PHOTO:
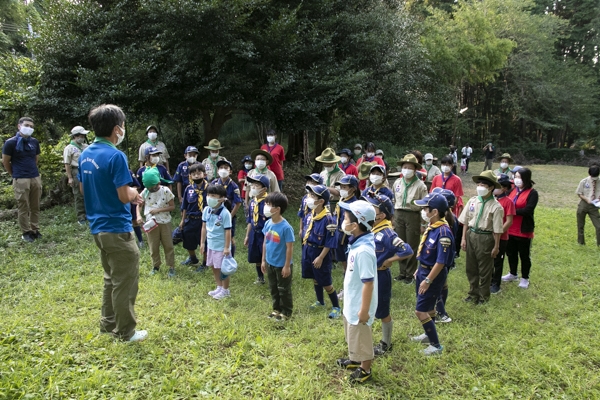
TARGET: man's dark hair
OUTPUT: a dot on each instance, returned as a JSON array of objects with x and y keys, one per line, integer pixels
[
  {"x": 277, "y": 199},
  {"x": 217, "y": 189},
  {"x": 196, "y": 167},
  {"x": 594, "y": 170},
  {"x": 104, "y": 118},
  {"x": 525, "y": 174},
  {"x": 363, "y": 228},
  {"x": 25, "y": 119},
  {"x": 447, "y": 160},
  {"x": 271, "y": 132}
]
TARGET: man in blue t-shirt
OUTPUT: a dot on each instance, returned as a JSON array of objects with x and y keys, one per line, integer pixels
[
  {"x": 20, "y": 156},
  {"x": 104, "y": 181}
]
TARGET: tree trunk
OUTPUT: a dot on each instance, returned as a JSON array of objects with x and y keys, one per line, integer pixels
[{"x": 214, "y": 121}]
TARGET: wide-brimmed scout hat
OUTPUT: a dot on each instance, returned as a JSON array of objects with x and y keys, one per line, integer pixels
[
  {"x": 260, "y": 152},
  {"x": 411, "y": 159},
  {"x": 328, "y": 156},
  {"x": 78, "y": 130},
  {"x": 488, "y": 176},
  {"x": 214, "y": 144},
  {"x": 262, "y": 179},
  {"x": 364, "y": 170},
  {"x": 507, "y": 156}
]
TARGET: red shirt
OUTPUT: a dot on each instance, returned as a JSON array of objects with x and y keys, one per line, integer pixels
[
  {"x": 519, "y": 202},
  {"x": 453, "y": 183},
  {"x": 350, "y": 169},
  {"x": 278, "y": 155},
  {"x": 242, "y": 181},
  {"x": 509, "y": 209},
  {"x": 362, "y": 185}
]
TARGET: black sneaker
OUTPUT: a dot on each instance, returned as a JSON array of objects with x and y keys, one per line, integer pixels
[
  {"x": 495, "y": 289},
  {"x": 36, "y": 235},
  {"x": 470, "y": 299},
  {"x": 381, "y": 348},
  {"x": 346, "y": 363},
  {"x": 399, "y": 278},
  {"x": 29, "y": 237},
  {"x": 201, "y": 268},
  {"x": 408, "y": 281},
  {"x": 359, "y": 376}
]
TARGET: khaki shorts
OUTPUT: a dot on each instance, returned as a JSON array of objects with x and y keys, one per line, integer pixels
[{"x": 360, "y": 341}]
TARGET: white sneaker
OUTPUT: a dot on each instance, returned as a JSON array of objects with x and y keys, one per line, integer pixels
[
  {"x": 510, "y": 278},
  {"x": 341, "y": 295},
  {"x": 524, "y": 284},
  {"x": 213, "y": 293},
  {"x": 432, "y": 350},
  {"x": 422, "y": 338},
  {"x": 222, "y": 294},
  {"x": 138, "y": 336}
]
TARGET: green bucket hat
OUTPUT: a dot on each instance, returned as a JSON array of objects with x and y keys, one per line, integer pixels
[
  {"x": 214, "y": 145},
  {"x": 507, "y": 156},
  {"x": 488, "y": 176},
  {"x": 410, "y": 159},
  {"x": 328, "y": 156}
]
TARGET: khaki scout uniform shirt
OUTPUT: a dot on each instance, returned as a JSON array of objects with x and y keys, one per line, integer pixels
[
  {"x": 273, "y": 184},
  {"x": 210, "y": 167},
  {"x": 491, "y": 217},
  {"x": 431, "y": 172},
  {"x": 586, "y": 188},
  {"x": 416, "y": 191},
  {"x": 332, "y": 179},
  {"x": 71, "y": 155}
]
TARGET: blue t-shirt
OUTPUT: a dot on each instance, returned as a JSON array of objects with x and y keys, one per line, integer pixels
[
  {"x": 23, "y": 152},
  {"x": 438, "y": 247},
  {"x": 216, "y": 222},
  {"x": 277, "y": 236},
  {"x": 362, "y": 268},
  {"x": 102, "y": 170}
]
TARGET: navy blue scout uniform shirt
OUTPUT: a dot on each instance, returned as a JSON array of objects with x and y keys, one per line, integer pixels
[
  {"x": 22, "y": 152},
  {"x": 319, "y": 236},
  {"x": 382, "y": 190},
  {"x": 233, "y": 191},
  {"x": 182, "y": 175},
  {"x": 438, "y": 247},
  {"x": 304, "y": 213},
  {"x": 388, "y": 244},
  {"x": 161, "y": 170},
  {"x": 342, "y": 238},
  {"x": 194, "y": 199},
  {"x": 256, "y": 216}
]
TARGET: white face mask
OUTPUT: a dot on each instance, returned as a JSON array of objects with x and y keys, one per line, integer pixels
[
  {"x": 120, "y": 137},
  {"x": 357, "y": 152},
  {"x": 248, "y": 165},
  {"x": 191, "y": 160},
  {"x": 482, "y": 191},
  {"x": 260, "y": 164},
  {"x": 154, "y": 160},
  {"x": 375, "y": 179},
  {"x": 212, "y": 202},
  {"x": 152, "y": 136},
  {"x": 424, "y": 216},
  {"x": 80, "y": 140},
  {"x": 498, "y": 192},
  {"x": 254, "y": 192},
  {"x": 26, "y": 131},
  {"x": 408, "y": 173},
  {"x": 446, "y": 169},
  {"x": 344, "y": 193},
  {"x": 214, "y": 155},
  {"x": 310, "y": 203},
  {"x": 328, "y": 169},
  {"x": 519, "y": 182},
  {"x": 428, "y": 162},
  {"x": 503, "y": 165},
  {"x": 345, "y": 229},
  {"x": 271, "y": 139},
  {"x": 267, "y": 211},
  {"x": 344, "y": 160},
  {"x": 370, "y": 155},
  {"x": 223, "y": 173}
]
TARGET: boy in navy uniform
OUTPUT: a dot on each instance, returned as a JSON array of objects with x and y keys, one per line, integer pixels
[
  {"x": 182, "y": 173},
  {"x": 194, "y": 200},
  {"x": 304, "y": 211},
  {"x": 435, "y": 252},
  {"x": 152, "y": 161},
  {"x": 224, "y": 170},
  {"x": 317, "y": 242},
  {"x": 258, "y": 187},
  {"x": 348, "y": 191},
  {"x": 377, "y": 178},
  {"x": 389, "y": 248}
]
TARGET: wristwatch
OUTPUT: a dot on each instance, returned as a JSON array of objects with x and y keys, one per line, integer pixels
[{"x": 427, "y": 281}]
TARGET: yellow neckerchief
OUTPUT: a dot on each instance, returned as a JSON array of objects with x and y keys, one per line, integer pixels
[
  {"x": 381, "y": 225},
  {"x": 257, "y": 200},
  {"x": 314, "y": 218},
  {"x": 406, "y": 186},
  {"x": 430, "y": 227},
  {"x": 199, "y": 189},
  {"x": 337, "y": 206}
]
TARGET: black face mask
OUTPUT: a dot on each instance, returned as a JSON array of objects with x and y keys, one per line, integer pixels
[{"x": 197, "y": 180}]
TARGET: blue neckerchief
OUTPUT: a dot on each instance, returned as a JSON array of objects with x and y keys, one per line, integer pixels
[
  {"x": 446, "y": 180},
  {"x": 22, "y": 141}
]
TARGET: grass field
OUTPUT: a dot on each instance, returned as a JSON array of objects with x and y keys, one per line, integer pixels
[{"x": 539, "y": 343}]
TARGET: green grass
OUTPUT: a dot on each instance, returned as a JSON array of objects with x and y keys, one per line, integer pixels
[{"x": 538, "y": 343}]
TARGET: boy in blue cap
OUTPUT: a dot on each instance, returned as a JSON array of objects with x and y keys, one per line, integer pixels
[
  {"x": 256, "y": 218},
  {"x": 377, "y": 178},
  {"x": 152, "y": 161},
  {"x": 389, "y": 249},
  {"x": 182, "y": 172},
  {"x": 304, "y": 211},
  {"x": 194, "y": 200},
  {"x": 348, "y": 194},
  {"x": 435, "y": 252},
  {"x": 224, "y": 170},
  {"x": 317, "y": 242},
  {"x": 360, "y": 288}
]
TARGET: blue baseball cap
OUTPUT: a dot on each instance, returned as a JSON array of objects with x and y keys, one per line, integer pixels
[
  {"x": 314, "y": 177},
  {"x": 379, "y": 167},
  {"x": 380, "y": 201},
  {"x": 262, "y": 179},
  {"x": 349, "y": 180},
  {"x": 516, "y": 168},
  {"x": 152, "y": 150},
  {"x": 362, "y": 210},
  {"x": 320, "y": 191},
  {"x": 433, "y": 201},
  {"x": 247, "y": 158},
  {"x": 345, "y": 151},
  {"x": 191, "y": 149},
  {"x": 224, "y": 162},
  {"x": 448, "y": 194},
  {"x": 504, "y": 180}
]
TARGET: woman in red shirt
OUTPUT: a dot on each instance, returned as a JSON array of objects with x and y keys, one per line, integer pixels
[
  {"x": 520, "y": 234},
  {"x": 278, "y": 154}
]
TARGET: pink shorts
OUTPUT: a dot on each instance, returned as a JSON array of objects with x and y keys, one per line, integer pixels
[{"x": 214, "y": 258}]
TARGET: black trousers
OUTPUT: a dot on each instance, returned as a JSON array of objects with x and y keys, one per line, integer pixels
[
  {"x": 281, "y": 290},
  {"x": 499, "y": 263},
  {"x": 519, "y": 247}
]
